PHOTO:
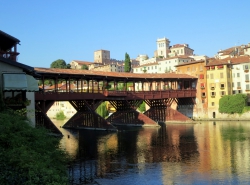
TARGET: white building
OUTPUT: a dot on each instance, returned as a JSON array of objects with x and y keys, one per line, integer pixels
[{"x": 240, "y": 74}]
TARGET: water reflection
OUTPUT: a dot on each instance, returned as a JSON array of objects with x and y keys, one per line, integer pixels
[{"x": 205, "y": 152}]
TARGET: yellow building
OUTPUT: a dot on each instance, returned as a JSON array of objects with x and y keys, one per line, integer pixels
[{"x": 219, "y": 80}]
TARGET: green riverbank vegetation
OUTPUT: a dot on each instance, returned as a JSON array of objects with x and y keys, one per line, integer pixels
[
  {"x": 29, "y": 155},
  {"x": 60, "y": 115},
  {"x": 231, "y": 104}
]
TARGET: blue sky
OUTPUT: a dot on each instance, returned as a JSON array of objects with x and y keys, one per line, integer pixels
[{"x": 73, "y": 30}]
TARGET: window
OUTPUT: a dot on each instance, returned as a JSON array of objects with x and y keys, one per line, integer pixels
[
  {"x": 155, "y": 67},
  {"x": 211, "y": 76},
  {"x": 247, "y": 78},
  {"x": 238, "y": 74},
  {"x": 245, "y": 66},
  {"x": 203, "y": 94},
  {"x": 213, "y": 93},
  {"x": 221, "y": 75},
  {"x": 201, "y": 68},
  {"x": 238, "y": 84},
  {"x": 207, "y": 76},
  {"x": 222, "y": 93},
  {"x": 202, "y": 85},
  {"x": 201, "y": 76},
  {"x": 212, "y": 103},
  {"x": 247, "y": 87},
  {"x": 222, "y": 85},
  {"x": 212, "y": 85},
  {"x": 233, "y": 75},
  {"x": 203, "y": 101}
]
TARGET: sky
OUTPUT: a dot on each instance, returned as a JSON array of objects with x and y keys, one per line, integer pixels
[{"x": 73, "y": 30}]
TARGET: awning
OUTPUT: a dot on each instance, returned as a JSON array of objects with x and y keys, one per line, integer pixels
[
  {"x": 32, "y": 84},
  {"x": 19, "y": 82}
]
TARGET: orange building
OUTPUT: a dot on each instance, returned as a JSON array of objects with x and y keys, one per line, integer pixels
[{"x": 198, "y": 70}]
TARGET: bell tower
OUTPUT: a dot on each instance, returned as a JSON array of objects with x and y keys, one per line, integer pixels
[{"x": 162, "y": 47}]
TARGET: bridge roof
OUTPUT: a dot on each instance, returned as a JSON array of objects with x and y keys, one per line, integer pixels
[{"x": 76, "y": 73}]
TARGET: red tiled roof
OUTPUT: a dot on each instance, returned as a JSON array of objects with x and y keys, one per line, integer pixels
[
  {"x": 88, "y": 73},
  {"x": 178, "y": 45},
  {"x": 149, "y": 64},
  {"x": 233, "y": 60},
  {"x": 82, "y": 62},
  {"x": 190, "y": 63}
]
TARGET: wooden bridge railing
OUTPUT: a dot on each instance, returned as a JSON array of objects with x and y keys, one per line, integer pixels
[{"x": 108, "y": 95}]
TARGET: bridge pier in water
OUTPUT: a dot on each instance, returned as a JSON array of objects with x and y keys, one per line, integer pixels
[
  {"x": 41, "y": 108},
  {"x": 86, "y": 117},
  {"x": 126, "y": 114}
]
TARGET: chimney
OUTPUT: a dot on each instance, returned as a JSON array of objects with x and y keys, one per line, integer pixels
[{"x": 229, "y": 61}]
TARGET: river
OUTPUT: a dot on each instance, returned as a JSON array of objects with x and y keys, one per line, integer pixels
[{"x": 200, "y": 153}]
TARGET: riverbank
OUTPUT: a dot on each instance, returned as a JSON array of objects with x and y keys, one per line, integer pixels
[{"x": 227, "y": 117}]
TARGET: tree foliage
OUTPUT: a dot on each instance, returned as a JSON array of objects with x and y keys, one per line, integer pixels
[
  {"x": 60, "y": 63},
  {"x": 142, "y": 107},
  {"x": 29, "y": 155},
  {"x": 231, "y": 104},
  {"x": 60, "y": 115},
  {"x": 127, "y": 66},
  {"x": 84, "y": 67},
  {"x": 102, "y": 110}
]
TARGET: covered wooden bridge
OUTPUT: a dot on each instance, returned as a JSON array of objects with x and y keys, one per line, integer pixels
[{"x": 86, "y": 90}]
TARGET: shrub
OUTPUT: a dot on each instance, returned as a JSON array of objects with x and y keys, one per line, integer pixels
[
  {"x": 231, "y": 104},
  {"x": 29, "y": 155},
  {"x": 60, "y": 115}
]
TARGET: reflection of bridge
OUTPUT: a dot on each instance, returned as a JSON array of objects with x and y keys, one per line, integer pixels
[{"x": 86, "y": 90}]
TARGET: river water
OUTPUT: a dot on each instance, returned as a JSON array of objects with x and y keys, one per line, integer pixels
[{"x": 200, "y": 153}]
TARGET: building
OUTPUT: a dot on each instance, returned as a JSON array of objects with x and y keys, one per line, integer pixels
[
  {"x": 198, "y": 70},
  {"x": 234, "y": 51},
  {"x": 102, "y": 56},
  {"x": 77, "y": 64},
  {"x": 147, "y": 68},
  {"x": 219, "y": 80},
  {"x": 17, "y": 82},
  {"x": 180, "y": 49},
  {"x": 162, "y": 48}
]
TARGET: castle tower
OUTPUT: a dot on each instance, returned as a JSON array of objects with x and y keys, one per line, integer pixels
[{"x": 102, "y": 56}]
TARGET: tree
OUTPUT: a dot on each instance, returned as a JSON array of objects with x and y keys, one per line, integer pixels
[
  {"x": 85, "y": 67},
  {"x": 127, "y": 67},
  {"x": 102, "y": 110},
  {"x": 142, "y": 107},
  {"x": 60, "y": 63},
  {"x": 231, "y": 104}
]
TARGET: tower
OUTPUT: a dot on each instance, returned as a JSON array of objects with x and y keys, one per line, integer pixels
[
  {"x": 162, "y": 47},
  {"x": 102, "y": 56}
]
